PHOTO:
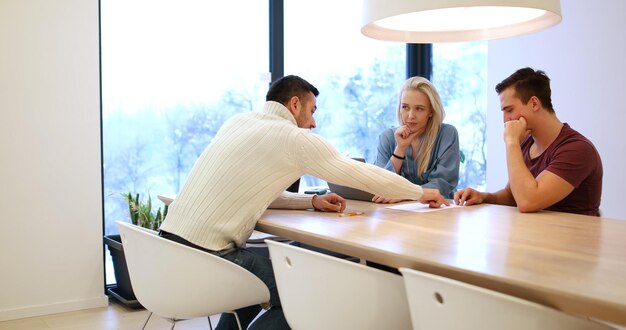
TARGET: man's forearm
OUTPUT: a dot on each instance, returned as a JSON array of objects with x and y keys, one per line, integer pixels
[
  {"x": 522, "y": 184},
  {"x": 500, "y": 197}
]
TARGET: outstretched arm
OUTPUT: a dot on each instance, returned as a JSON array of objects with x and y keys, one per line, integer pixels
[
  {"x": 322, "y": 160},
  {"x": 469, "y": 196}
]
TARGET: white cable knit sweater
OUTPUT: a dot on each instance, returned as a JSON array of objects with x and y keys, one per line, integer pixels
[{"x": 251, "y": 161}]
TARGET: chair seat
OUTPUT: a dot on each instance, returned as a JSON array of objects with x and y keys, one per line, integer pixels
[{"x": 179, "y": 282}]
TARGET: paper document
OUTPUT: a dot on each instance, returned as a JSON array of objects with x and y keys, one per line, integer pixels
[{"x": 419, "y": 207}]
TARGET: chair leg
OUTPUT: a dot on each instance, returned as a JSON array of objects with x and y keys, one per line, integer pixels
[
  {"x": 210, "y": 325},
  {"x": 146, "y": 323},
  {"x": 237, "y": 318}
]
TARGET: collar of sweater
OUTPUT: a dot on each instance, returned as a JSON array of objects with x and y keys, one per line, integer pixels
[{"x": 277, "y": 109}]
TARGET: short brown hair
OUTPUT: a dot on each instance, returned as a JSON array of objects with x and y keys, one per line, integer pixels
[
  {"x": 528, "y": 83},
  {"x": 286, "y": 87}
]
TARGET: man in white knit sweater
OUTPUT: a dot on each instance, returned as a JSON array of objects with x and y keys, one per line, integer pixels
[{"x": 253, "y": 158}]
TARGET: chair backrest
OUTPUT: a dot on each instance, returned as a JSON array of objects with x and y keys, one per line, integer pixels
[
  {"x": 441, "y": 303},
  {"x": 318, "y": 291},
  {"x": 176, "y": 281},
  {"x": 166, "y": 199}
]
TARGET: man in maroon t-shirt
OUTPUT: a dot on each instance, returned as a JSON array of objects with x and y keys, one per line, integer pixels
[{"x": 550, "y": 165}]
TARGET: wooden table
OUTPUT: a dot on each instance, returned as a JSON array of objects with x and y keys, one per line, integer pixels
[{"x": 573, "y": 263}]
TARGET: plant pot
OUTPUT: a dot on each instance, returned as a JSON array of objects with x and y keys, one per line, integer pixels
[{"x": 123, "y": 291}]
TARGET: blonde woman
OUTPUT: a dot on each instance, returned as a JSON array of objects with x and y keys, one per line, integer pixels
[{"x": 422, "y": 148}]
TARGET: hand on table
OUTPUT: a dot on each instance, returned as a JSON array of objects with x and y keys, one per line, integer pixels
[
  {"x": 329, "y": 202},
  {"x": 433, "y": 198},
  {"x": 468, "y": 196}
]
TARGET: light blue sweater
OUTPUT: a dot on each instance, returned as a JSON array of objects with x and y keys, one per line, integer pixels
[{"x": 443, "y": 169}]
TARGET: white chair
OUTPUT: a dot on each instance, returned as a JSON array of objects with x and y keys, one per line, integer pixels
[
  {"x": 441, "y": 303},
  {"x": 179, "y": 282},
  {"x": 318, "y": 291},
  {"x": 166, "y": 199}
]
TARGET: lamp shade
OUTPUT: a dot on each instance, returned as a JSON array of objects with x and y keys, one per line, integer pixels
[{"x": 428, "y": 21}]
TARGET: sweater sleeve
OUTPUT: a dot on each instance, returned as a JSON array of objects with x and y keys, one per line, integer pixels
[
  {"x": 292, "y": 201},
  {"x": 319, "y": 158}
]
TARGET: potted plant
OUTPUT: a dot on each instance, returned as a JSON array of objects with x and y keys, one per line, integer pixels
[{"x": 141, "y": 214}]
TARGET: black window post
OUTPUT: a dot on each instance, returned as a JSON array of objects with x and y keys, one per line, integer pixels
[
  {"x": 277, "y": 39},
  {"x": 277, "y": 52},
  {"x": 419, "y": 60}
]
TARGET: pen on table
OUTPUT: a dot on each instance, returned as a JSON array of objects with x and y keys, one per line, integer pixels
[{"x": 350, "y": 214}]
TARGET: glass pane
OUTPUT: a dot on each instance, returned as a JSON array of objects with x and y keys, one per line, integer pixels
[
  {"x": 358, "y": 77},
  {"x": 460, "y": 75},
  {"x": 172, "y": 72}
]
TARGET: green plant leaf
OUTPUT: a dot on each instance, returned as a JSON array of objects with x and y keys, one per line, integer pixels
[{"x": 142, "y": 214}]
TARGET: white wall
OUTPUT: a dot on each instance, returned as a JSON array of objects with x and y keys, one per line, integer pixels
[
  {"x": 585, "y": 57},
  {"x": 50, "y": 192}
]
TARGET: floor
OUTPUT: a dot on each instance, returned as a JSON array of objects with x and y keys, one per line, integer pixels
[{"x": 115, "y": 316}]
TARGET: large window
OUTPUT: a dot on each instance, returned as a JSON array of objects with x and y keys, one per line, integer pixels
[
  {"x": 460, "y": 74},
  {"x": 174, "y": 70},
  {"x": 358, "y": 77}
]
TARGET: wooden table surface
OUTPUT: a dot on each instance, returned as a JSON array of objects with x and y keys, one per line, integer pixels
[{"x": 573, "y": 263}]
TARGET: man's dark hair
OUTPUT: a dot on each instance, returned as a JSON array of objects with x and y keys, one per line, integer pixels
[
  {"x": 528, "y": 83},
  {"x": 286, "y": 87}
]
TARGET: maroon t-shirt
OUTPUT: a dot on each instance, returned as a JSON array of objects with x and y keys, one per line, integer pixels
[{"x": 573, "y": 158}]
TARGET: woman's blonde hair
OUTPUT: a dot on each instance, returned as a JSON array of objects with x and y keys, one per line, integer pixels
[{"x": 428, "y": 138}]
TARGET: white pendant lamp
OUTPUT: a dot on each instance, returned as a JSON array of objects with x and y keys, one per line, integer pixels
[{"x": 429, "y": 21}]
